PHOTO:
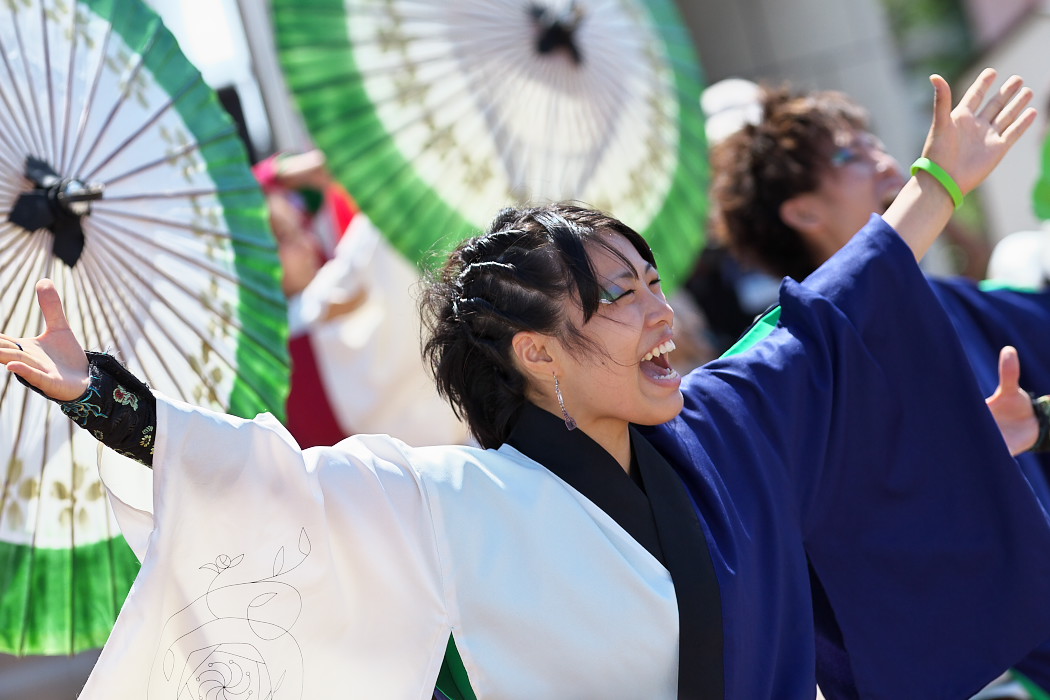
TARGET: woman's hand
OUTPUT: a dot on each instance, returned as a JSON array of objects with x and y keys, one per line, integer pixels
[
  {"x": 1011, "y": 406},
  {"x": 970, "y": 140},
  {"x": 966, "y": 142},
  {"x": 54, "y": 361}
]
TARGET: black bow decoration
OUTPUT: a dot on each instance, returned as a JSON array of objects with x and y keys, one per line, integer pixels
[
  {"x": 56, "y": 204},
  {"x": 557, "y": 32}
]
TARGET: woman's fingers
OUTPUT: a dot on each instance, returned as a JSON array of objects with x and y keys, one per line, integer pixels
[
  {"x": 1006, "y": 111},
  {"x": 1012, "y": 110},
  {"x": 51, "y": 306},
  {"x": 1007, "y": 91},
  {"x": 974, "y": 96},
  {"x": 942, "y": 101},
  {"x": 27, "y": 358},
  {"x": 1009, "y": 370},
  {"x": 19, "y": 361},
  {"x": 18, "y": 352},
  {"x": 1018, "y": 127}
]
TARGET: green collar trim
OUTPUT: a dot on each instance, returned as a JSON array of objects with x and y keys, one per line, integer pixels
[
  {"x": 759, "y": 330},
  {"x": 452, "y": 678}
]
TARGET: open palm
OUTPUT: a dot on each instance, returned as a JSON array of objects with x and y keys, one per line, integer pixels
[
  {"x": 54, "y": 361},
  {"x": 970, "y": 140}
]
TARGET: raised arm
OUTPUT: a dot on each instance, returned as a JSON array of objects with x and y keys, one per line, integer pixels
[{"x": 967, "y": 142}]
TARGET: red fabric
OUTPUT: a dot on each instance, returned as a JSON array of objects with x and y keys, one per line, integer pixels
[
  {"x": 311, "y": 420},
  {"x": 342, "y": 207}
]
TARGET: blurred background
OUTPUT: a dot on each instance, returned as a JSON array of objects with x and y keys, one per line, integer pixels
[{"x": 879, "y": 51}]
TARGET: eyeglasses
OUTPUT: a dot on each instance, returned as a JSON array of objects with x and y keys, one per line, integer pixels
[{"x": 863, "y": 148}]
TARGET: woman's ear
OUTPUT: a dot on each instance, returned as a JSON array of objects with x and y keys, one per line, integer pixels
[
  {"x": 800, "y": 213},
  {"x": 533, "y": 353}
]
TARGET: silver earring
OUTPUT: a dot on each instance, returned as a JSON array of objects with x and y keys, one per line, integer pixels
[{"x": 570, "y": 422}]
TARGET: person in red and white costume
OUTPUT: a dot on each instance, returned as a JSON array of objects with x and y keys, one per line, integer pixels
[{"x": 353, "y": 317}]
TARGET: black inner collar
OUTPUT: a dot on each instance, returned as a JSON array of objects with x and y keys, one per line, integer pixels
[
  {"x": 658, "y": 512},
  {"x": 585, "y": 465}
]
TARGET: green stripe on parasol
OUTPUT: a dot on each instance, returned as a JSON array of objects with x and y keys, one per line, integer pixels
[
  {"x": 73, "y": 616},
  {"x": 322, "y": 74},
  {"x": 676, "y": 232},
  {"x": 263, "y": 386},
  {"x": 419, "y": 186}
]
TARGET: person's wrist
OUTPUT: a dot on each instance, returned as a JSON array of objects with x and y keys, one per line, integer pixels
[
  {"x": 941, "y": 176},
  {"x": 85, "y": 389}
]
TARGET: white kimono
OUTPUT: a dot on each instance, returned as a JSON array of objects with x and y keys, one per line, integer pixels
[{"x": 341, "y": 572}]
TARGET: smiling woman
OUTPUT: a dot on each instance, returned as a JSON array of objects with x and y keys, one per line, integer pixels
[
  {"x": 543, "y": 295},
  {"x": 607, "y": 543}
]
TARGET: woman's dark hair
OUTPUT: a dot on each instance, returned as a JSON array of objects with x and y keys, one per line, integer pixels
[
  {"x": 517, "y": 276},
  {"x": 764, "y": 165}
]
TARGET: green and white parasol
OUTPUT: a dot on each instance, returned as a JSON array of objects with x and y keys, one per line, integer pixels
[
  {"x": 123, "y": 180},
  {"x": 436, "y": 114}
]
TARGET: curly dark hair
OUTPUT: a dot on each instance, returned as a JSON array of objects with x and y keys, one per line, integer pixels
[
  {"x": 517, "y": 276},
  {"x": 763, "y": 165}
]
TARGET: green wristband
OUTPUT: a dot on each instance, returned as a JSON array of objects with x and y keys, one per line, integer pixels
[{"x": 941, "y": 176}]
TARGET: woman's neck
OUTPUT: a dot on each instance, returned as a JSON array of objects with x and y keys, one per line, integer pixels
[{"x": 611, "y": 434}]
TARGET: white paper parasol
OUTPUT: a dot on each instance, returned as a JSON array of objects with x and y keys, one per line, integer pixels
[{"x": 123, "y": 180}]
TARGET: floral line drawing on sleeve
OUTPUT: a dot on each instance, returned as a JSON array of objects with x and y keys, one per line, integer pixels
[{"x": 225, "y": 640}]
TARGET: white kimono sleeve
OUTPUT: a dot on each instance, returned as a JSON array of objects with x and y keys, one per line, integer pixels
[{"x": 274, "y": 571}]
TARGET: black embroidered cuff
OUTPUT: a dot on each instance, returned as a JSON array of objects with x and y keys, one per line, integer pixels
[{"x": 118, "y": 409}]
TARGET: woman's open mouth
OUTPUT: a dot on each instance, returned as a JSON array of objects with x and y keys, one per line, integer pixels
[{"x": 655, "y": 365}]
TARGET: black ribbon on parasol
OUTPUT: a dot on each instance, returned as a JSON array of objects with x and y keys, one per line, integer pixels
[
  {"x": 556, "y": 32},
  {"x": 56, "y": 204}
]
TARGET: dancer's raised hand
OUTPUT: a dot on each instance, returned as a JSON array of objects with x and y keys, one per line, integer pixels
[
  {"x": 964, "y": 144},
  {"x": 54, "y": 361},
  {"x": 969, "y": 140}
]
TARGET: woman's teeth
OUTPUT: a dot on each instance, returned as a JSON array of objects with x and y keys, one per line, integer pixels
[{"x": 663, "y": 349}]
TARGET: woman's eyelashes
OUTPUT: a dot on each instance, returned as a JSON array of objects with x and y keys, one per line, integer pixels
[
  {"x": 611, "y": 295},
  {"x": 614, "y": 293}
]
